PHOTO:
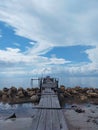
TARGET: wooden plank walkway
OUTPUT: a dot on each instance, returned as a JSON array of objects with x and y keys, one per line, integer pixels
[{"x": 49, "y": 115}]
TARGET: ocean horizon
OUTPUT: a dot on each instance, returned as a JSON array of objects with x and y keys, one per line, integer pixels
[{"x": 66, "y": 81}]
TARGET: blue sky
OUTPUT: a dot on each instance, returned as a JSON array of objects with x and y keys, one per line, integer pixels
[
  {"x": 51, "y": 37},
  {"x": 75, "y": 54}
]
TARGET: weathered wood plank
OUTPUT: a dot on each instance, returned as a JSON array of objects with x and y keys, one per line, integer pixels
[
  {"x": 42, "y": 121},
  {"x": 63, "y": 125},
  {"x": 55, "y": 120},
  {"x": 55, "y": 102},
  {"x": 35, "y": 119},
  {"x": 48, "y": 120}
]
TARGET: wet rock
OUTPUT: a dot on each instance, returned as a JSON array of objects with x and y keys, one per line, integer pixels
[
  {"x": 74, "y": 106},
  {"x": 12, "y": 116},
  {"x": 35, "y": 98},
  {"x": 79, "y": 110}
]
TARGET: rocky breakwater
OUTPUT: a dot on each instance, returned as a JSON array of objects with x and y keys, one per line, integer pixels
[
  {"x": 13, "y": 95},
  {"x": 79, "y": 95}
]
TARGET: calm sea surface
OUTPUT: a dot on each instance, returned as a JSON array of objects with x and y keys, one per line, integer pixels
[
  {"x": 68, "y": 81},
  {"x": 21, "y": 110}
]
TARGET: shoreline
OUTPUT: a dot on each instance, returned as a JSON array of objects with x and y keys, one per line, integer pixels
[
  {"x": 80, "y": 105},
  {"x": 87, "y": 120}
]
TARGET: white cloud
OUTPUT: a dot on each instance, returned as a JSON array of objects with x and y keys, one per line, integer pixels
[
  {"x": 51, "y": 23},
  {"x": 15, "y": 56}
]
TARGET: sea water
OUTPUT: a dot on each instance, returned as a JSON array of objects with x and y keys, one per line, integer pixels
[
  {"x": 21, "y": 110},
  {"x": 67, "y": 81}
]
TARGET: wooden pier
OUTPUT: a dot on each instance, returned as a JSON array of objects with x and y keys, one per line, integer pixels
[{"x": 49, "y": 115}]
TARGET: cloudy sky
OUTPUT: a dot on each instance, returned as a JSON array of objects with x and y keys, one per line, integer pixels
[{"x": 48, "y": 36}]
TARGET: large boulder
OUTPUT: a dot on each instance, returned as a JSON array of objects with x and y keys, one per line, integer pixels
[
  {"x": 13, "y": 89},
  {"x": 35, "y": 98},
  {"x": 20, "y": 89},
  {"x": 4, "y": 97},
  {"x": 31, "y": 93},
  {"x": 28, "y": 89},
  {"x": 12, "y": 92},
  {"x": 20, "y": 94}
]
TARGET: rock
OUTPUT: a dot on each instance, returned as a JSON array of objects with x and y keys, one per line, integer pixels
[
  {"x": 83, "y": 97},
  {"x": 35, "y": 98},
  {"x": 62, "y": 87},
  {"x": 74, "y": 106},
  {"x": 31, "y": 93},
  {"x": 28, "y": 89},
  {"x": 74, "y": 92},
  {"x": 77, "y": 88},
  {"x": 84, "y": 90},
  {"x": 4, "y": 97},
  {"x": 20, "y": 94},
  {"x": 1, "y": 93},
  {"x": 25, "y": 93},
  {"x": 13, "y": 89},
  {"x": 95, "y": 102},
  {"x": 79, "y": 110},
  {"x": 12, "y": 92},
  {"x": 5, "y": 89},
  {"x": 93, "y": 95},
  {"x": 12, "y": 116},
  {"x": 89, "y": 91},
  {"x": 20, "y": 89},
  {"x": 67, "y": 94},
  {"x": 62, "y": 96}
]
